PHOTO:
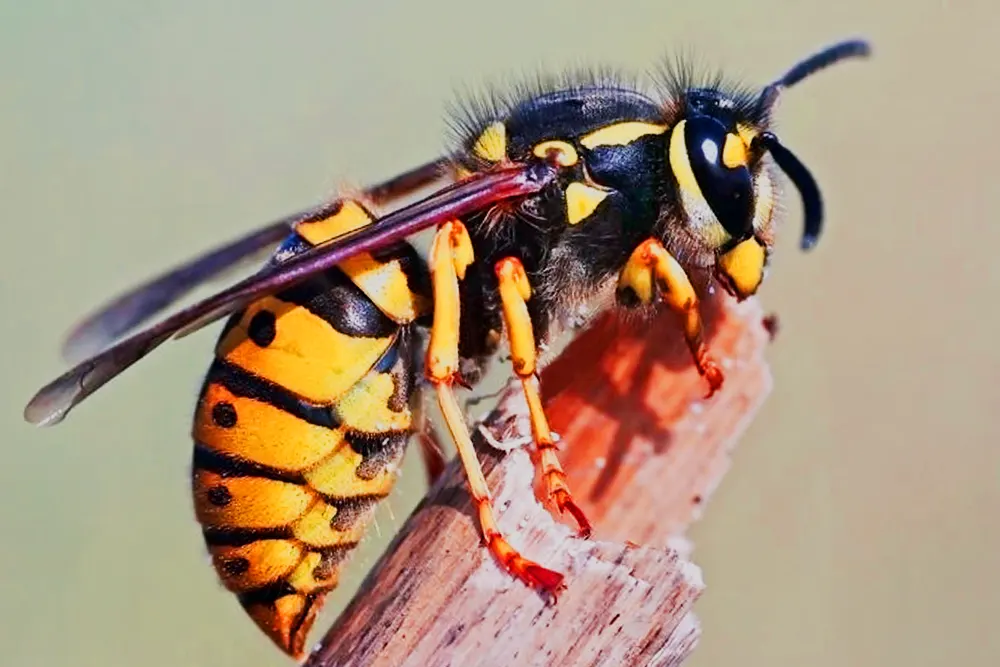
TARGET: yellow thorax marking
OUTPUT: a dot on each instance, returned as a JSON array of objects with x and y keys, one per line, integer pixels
[
  {"x": 747, "y": 133},
  {"x": 621, "y": 134},
  {"x": 581, "y": 201},
  {"x": 492, "y": 143},
  {"x": 566, "y": 155},
  {"x": 734, "y": 152}
]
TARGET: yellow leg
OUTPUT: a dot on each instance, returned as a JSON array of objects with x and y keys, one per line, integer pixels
[
  {"x": 514, "y": 294},
  {"x": 651, "y": 264},
  {"x": 451, "y": 254}
]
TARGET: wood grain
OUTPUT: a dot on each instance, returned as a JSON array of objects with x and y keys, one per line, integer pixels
[{"x": 643, "y": 451}]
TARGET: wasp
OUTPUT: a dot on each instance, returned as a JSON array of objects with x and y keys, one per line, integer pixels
[{"x": 580, "y": 191}]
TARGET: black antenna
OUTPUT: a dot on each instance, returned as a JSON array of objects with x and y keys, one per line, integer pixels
[
  {"x": 853, "y": 48},
  {"x": 812, "y": 200}
]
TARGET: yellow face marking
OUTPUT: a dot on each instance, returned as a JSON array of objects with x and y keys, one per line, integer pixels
[
  {"x": 351, "y": 216},
  {"x": 263, "y": 433},
  {"x": 566, "y": 155},
  {"x": 581, "y": 201},
  {"x": 743, "y": 267},
  {"x": 734, "y": 152},
  {"x": 337, "y": 476},
  {"x": 307, "y": 356},
  {"x": 386, "y": 285},
  {"x": 700, "y": 216},
  {"x": 261, "y": 562},
  {"x": 251, "y": 502},
  {"x": 679, "y": 162},
  {"x": 621, "y": 134},
  {"x": 764, "y": 210},
  {"x": 492, "y": 143},
  {"x": 747, "y": 133},
  {"x": 314, "y": 528}
]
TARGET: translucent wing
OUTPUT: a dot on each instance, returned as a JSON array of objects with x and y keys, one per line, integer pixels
[
  {"x": 124, "y": 313},
  {"x": 121, "y": 315},
  {"x": 51, "y": 404}
]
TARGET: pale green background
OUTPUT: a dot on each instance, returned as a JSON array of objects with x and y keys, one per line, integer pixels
[{"x": 859, "y": 524}]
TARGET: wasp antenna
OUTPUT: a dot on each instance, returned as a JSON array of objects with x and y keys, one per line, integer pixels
[
  {"x": 852, "y": 48},
  {"x": 812, "y": 200}
]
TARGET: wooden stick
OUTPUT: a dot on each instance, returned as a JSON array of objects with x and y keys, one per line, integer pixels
[{"x": 643, "y": 451}]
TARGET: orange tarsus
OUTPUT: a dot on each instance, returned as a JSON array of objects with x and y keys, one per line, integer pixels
[
  {"x": 713, "y": 374},
  {"x": 565, "y": 503},
  {"x": 529, "y": 572}
]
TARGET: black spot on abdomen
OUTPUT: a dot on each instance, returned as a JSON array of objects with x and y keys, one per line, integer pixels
[
  {"x": 262, "y": 328},
  {"x": 224, "y": 414}
]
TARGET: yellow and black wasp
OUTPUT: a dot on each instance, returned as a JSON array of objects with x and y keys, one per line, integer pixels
[{"x": 582, "y": 191}]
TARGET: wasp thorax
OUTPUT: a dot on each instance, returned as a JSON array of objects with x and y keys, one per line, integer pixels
[{"x": 710, "y": 166}]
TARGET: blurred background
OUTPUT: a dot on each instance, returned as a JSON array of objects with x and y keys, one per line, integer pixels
[{"x": 858, "y": 525}]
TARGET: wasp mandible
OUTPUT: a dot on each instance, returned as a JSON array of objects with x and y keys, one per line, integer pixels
[{"x": 565, "y": 192}]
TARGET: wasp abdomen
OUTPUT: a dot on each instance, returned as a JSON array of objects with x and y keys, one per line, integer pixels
[{"x": 301, "y": 426}]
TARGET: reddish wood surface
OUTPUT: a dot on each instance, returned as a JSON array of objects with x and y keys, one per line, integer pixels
[
  {"x": 643, "y": 447},
  {"x": 643, "y": 451}
]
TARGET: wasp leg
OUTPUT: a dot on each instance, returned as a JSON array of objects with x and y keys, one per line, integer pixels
[
  {"x": 515, "y": 290},
  {"x": 451, "y": 254},
  {"x": 651, "y": 265}
]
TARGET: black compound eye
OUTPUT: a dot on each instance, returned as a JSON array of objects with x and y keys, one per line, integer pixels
[{"x": 717, "y": 160}]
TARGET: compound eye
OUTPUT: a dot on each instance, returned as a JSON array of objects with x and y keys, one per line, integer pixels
[{"x": 710, "y": 165}]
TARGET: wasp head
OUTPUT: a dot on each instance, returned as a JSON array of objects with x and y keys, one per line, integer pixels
[{"x": 717, "y": 151}]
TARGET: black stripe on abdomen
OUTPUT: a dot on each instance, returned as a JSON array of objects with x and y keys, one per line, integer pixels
[
  {"x": 245, "y": 384},
  {"x": 333, "y": 297}
]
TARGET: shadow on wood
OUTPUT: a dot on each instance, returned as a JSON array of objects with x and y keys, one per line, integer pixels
[{"x": 643, "y": 451}]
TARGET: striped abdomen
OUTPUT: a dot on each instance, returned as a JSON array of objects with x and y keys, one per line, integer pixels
[{"x": 301, "y": 426}]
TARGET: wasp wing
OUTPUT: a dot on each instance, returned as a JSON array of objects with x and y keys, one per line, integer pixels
[
  {"x": 52, "y": 403},
  {"x": 121, "y": 315}
]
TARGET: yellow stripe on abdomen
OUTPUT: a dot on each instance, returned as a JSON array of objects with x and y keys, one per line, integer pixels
[{"x": 292, "y": 347}]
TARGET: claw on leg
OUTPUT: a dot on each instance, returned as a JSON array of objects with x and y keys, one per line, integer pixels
[{"x": 526, "y": 570}]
